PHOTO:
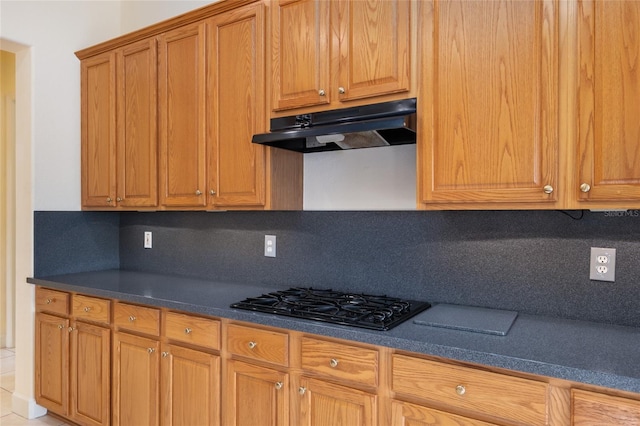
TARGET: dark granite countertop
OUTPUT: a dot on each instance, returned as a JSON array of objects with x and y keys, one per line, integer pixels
[{"x": 586, "y": 352}]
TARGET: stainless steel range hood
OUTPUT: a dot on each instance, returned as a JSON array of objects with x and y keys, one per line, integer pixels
[{"x": 383, "y": 124}]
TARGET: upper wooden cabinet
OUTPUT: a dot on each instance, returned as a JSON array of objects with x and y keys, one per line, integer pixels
[
  {"x": 328, "y": 52},
  {"x": 119, "y": 144},
  {"x": 608, "y": 134},
  {"x": 181, "y": 93},
  {"x": 488, "y": 111}
]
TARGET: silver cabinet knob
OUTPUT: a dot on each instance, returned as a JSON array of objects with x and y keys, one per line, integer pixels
[
  {"x": 341, "y": 90},
  {"x": 132, "y": 318},
  {"x": 252, "y": 345},
  {"x": 212, "y": 192},
  {"x": 70, "y": 329},
  {"x": 60, "y": 326},
  {"x": 87, "y": 308},
  {"x": 109, "y": 200},
  {"x": 548, "y": 189},
  {"x": 278, "y": 385},
  {"x": 49, "y": 301},
  {"x": 118, "y": 199},
  {"x": 460, "y": 390},
  {"x": 151, "y": 350},
  {"x": 302, "y": 390},
  {"x": 333, "y": 363},
  {"x": 198, "y": 192},
  {"x": 187, "y": 330},
  {"x": 321, "y": 92},
  {"x": 165, "y": 354},
  {"x": 585, "y": 187}
]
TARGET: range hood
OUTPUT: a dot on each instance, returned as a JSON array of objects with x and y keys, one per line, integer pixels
[{"x": 383, "y": 124}]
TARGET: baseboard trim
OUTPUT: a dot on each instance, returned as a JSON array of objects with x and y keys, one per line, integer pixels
[{"x": 26, "y": 407}]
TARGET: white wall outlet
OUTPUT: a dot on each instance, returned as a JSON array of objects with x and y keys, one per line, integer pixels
[
  {"x": 148, "y": 242},
  {"x": 603, "y": 264},
  {"x": 270, "y": 245}
]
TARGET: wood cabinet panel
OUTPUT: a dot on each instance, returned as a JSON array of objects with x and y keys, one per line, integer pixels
[
  {"x": 52, "y": 362},
  {"x": 595, "y": 409},
  {"x": 326, "y": 404},
  {"x": 263, "y": 345},
  {"x": 91, "y": 308},
  {"x": 256, "y": 395},
  {"x": 181, "y": 94},
  {"x": 136, "y": 318},
  {"x": 489, "y": 105},
  {"x": 407, "y": 414},
  {"x": 90, "y": 374},
  {"x": 236, "y": 108},
  {"x": 339, "y": 361},
  {"x": 190, "y": 387},
  {"x": 198, "y": 331},
  {"x": 509, "y": 398},
  {"x": 98, "y": 125},
  {"x": 135, "y": 373},
  {"x": 137, "y": 79},
  {"x": 609, "y": 101},
  {"x": 53, "y": 301}
]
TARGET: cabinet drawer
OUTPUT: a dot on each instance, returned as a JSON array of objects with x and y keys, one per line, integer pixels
[
  {"x": 404, "y": 413},
  {"x": 511, "y": 398},
  {"x": 52, "y": 301},
  {"x": 591, "y": 408},
  {"x": 137, "y": 318},
  {"x": 343, "y": 362},
  {"x": 195, "y": 330},
  {"x": 91, "y": 308},
  {"x": 263, "y": 345}
]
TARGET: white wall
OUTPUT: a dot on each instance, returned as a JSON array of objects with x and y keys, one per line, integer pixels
[{"x": 139, "y": 14}]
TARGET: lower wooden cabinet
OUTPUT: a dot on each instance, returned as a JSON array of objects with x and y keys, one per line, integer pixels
[
  {"x": 255, "y": 395},
  {"x": 324, "y": 403},
  {"x": 101, "y": 362},
  {"x": 136, "y": 373}
]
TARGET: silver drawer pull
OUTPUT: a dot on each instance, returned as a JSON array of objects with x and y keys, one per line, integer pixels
[
  {"x": 278, "y": 385},
  {"x": 132, "y": 318},
  {"x": 333, "y": 363},
  {"x": 151, "y": 350},
  {"x": 302, "y": 390},
  {"x": 187, "y": 330},
  {"x": 87, "y": 309},
  {"x": 252, "y": 345},
  {"x": 49, "y": 301},
  {"x": 165, "y": 354},
  {"x": 460, "y": 390},
  {"x": 60, "y": 326}
]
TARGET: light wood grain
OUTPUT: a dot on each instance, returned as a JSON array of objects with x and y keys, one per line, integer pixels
[
  {"x": 407, "y": 414},
  {"x": 91, "y": 308},
  {"x": 52, "y": 363},
  {"x": 255, "y": 343},
  {"x": 595, "y": 409},
  {"x": 193, "y": 330},
  {"x": 140, "y": 319},
  {"x": 53, "y": 301}
]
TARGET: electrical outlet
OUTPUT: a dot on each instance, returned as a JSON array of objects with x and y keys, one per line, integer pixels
[
  {"x": 603, "y": 264},
  {"x": 148, "y": 242},
  {"x": 270, "y": 245}
]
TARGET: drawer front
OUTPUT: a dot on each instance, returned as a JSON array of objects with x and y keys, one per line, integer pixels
[
  {"x": 137, "y": 318},
  {"x": 195, "y": 330},
  {"x": 591, "y": 408},
  {"x": 254, "y": 343},
  {"x": 91, "y": 308},
  {"x": 343, "y": 362},
  {"x": 52, "y": 301},
  {"x": 404, "y": 413},
  {"x": 511, "y": 398}
]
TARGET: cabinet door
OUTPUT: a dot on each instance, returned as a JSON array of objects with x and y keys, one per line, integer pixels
[
  {"x": 327, "y": 404},
  {"x": 52, "y": 363},
  {"x": 90, "y": 379},
  {"x": 609, "y": 101},
  {"x": 374, "y": 48},
  {"x": 489, "y": 103},
  {"x": 190, "y": 387},
  {"x": 98, "y": 141},
  {"x": 300, "y": 53},
  {"x": 236, "y": 108},
  {"x": 594, "y": 409},
  {"x": 137, "y": 128},
  {"x": 404, "y": 413},
  {"x": 256, "y": 395},
  {"x": 181, "y": 94},
  {"x": 136, "y": 372}
]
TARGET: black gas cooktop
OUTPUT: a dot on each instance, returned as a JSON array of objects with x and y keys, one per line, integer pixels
[{"x": 355, "y": 309}]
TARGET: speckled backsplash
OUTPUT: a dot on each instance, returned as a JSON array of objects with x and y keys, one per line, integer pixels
[{"x": 529, "y": 261}]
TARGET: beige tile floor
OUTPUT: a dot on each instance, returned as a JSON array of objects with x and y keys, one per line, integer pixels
[{"x": 7, "y": 380}]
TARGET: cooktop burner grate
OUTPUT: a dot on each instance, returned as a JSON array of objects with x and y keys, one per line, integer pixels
[{"x": 356, "y": 309}]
